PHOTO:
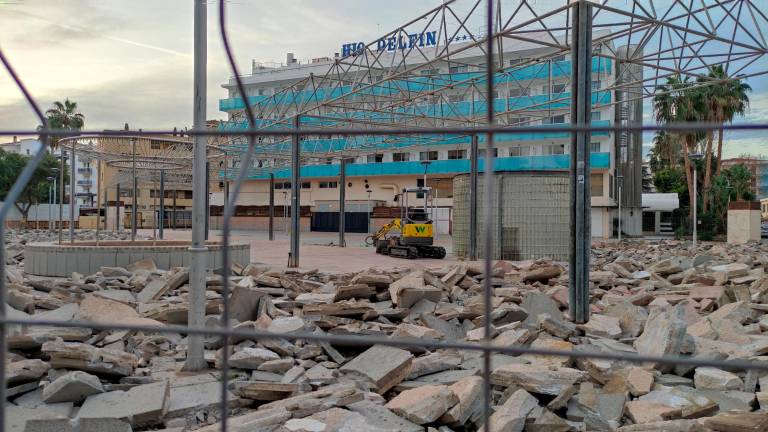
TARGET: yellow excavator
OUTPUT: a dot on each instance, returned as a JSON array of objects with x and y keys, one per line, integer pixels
[{"x": 412, "y": 234}]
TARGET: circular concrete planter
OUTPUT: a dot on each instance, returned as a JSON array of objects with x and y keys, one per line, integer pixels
[{"x": 53, "y": 259}]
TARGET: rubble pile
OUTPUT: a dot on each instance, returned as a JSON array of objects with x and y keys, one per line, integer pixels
[{"x": 648, "y": 298}]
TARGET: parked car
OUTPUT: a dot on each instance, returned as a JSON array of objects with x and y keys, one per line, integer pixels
[{"x": 764, "y": 230}]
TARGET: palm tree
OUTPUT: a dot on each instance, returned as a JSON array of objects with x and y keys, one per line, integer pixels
[
  {"x": 730, "y": 100},
  {"x": 678, "y": 102},
  {"x": 665, "y": 152},
  {"x": 725, "y": 98},
  {"x": 64, "y": 116}
]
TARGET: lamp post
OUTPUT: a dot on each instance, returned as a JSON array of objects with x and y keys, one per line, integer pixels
[
  {"x": 285, "y": 211},
  {"x": 694, "y": 157},
  {"x": 369, "y": 210},
  {"x": 51, "y": 188},
  {"x": 426, "y": 164}
]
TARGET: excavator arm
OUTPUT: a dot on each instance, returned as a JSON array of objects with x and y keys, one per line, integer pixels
[{"x": 383, "y": 231}]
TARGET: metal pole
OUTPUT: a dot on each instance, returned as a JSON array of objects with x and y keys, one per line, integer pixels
[
  {"x": 473, "y": 177},
  {"x": 55, "y": 201},
  {"x": 154, "y": 211},
  {"x": 117, "y": 208},
  {"x": 106, "y": 207},
  {"x": 62, "y": 193},
  {"x": 162, "y": 203},
  {"x": 135, "y": 198},
  {"x": 581, "y": 56},
  {"x": 72, "y": 164},
  {"x": 196, "y": 316},
  {"x": 342, "y": 201},
  {"x": 369, "y": 211},
  {"x": 619, "y": 211},
  {"x": 175, "y": 194},
  {"x": 285, "y": 212},
  {"x": 50, "y": 204},
  {"x": 98, "y": 202},
  {"x": 293, "y": 260},
  {"x": 207, "y": 199},
  {"x": 695, "y": 206},
  {"x": 271, "y": 206}
]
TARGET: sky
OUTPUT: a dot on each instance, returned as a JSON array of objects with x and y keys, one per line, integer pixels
[{"x": 131, "y": 61}]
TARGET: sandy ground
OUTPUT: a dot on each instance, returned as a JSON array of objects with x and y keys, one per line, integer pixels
[{"x": 319, "y": 250}]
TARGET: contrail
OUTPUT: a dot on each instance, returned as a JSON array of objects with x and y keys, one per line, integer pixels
[{"x": 102, "y": 35}]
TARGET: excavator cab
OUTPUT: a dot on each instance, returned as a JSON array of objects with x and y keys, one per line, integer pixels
[{"x": 411, "y": 235}]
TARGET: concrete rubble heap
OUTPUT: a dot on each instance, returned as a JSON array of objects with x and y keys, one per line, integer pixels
[{"x": 649, "y": 298}]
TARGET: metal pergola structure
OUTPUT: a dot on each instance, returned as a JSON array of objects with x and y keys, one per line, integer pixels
[
  {"x": 671, "y": 37},
  {"x": 401, "y": 89},
  {"x": 155, "y": 157}
]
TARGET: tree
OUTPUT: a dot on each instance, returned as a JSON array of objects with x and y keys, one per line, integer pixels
[
  {"x": 678, "y": 102},
  {"x": 724, "y": 99},
  {"x": 728, "y": 99},
  {"x": 64, "y": 116},
  {"x": 665, "y": 152},
  {"x": 672, "y": 180},
  {"x": 740, "y": 179},
  {"x": 38, "y": 187}
]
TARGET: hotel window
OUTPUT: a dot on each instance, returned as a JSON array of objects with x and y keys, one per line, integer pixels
[
  {"x": 519, "y": 121},
  {"x": 558, "y": 119},
  {"x": 517, "y": 61},
  {"x": 595, "y": 115},
  {"x": 375, "y": 158},
  {"x": 428, "y": 155},
  {"x": 283, "y": 185},
  {"x": 328, "y": 184},
  {"x": 554, "y": 149},
  {"x": 457, "y": 69},
  {"x": 559, "y": 58},
  {"x": 154, "y": 145},
  {"x": 519, "y": 91},
  {"x": 306, "y": 185},
  {"x": 427, "y": 72},
  {"x": 558, "y": 88},
  {"x": 594, "y": 147},
  {"x": 596, "y": 185},
  {"x": 262, "y": 92},
  {"x": 456, "y": 98},
  {"x": 457, "y": 154},
  {"x": 520, "y": 151},
  {"x": 596, "y": 85},
  {"x": 401, "y": 157}
]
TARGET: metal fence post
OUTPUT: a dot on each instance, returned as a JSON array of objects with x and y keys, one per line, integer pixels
[
  {"x": 117, "y": 208},
  {"x": 198, "y": 250},
  {"x": 473, "y": 176},
  {"x": 271, "y": 206},
  {"x": 72, "y": 195},
  {"x": 162, "y": 203},
  {"x": 581, "y": 103},
  {"x": 342, "y": 201},
  {"x": 135, "y": 197},
  {"x": 293, "y": 260}
]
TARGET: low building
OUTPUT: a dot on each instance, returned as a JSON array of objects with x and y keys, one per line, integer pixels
[{"x": 658, "y": 211}]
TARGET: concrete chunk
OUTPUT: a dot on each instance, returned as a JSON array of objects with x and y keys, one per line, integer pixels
[
  {"x": 72, "y": 387},
  {"x": 423, "y": 404},
  {"x": 384, "y": 366},
  {"x": 141, "y": 406}
]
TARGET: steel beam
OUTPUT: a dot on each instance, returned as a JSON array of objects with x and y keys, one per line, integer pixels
[
  {"x": 207, "y": 199},
  {"x": 72, "y": 196},
  {"x": 581, "y": 103},
  {"x": 62, "y": 193},
  {"x": 117, "y": 208},
  {"x": 195, "y": 360},
  {"x": 342, "y": 201},
  {"x": 293, "y": 258},
  {"x": 175, "y": 194},
  {"x": 271, "y": 206},
  {"x": 473, "y": 177},
  {"x": 162, "y": 203},
  {"x": 135, "y": 197}
]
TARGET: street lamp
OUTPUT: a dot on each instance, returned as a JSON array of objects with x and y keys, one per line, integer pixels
[
  {"x": 369, "y": 209},
  {"x": 426, "y": 164},
  {"x": 285, "y": 211},
  {"x": 694, "y": 157},
  {"x": 51, "y": 189}
]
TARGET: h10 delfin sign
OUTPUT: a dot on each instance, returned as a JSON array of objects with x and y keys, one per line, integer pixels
[{"x": 393, "y": 43}]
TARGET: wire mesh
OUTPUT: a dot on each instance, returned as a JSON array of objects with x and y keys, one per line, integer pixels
[{"x": 492, "y": 181}]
